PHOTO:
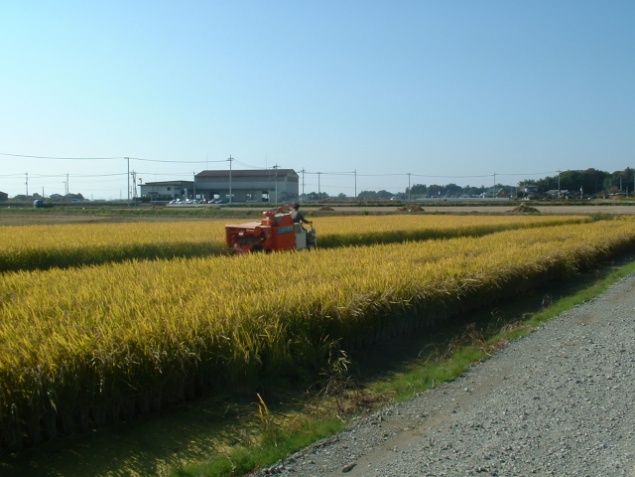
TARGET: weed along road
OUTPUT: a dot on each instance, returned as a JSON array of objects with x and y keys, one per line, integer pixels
[{"x": 558, "y": 402}]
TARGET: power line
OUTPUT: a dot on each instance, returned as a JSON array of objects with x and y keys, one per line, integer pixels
[
  {"x": 398, "y": 174},
  {"x": 99, "y": 179},
  {"x": 173, "y": 161},
  {"x": 62, "y": 158},
  {"x": 106, "y": 158},
  {"x": 256, "y": 167},
  {"x": 246, "y": 165},
  {"x": 169, "y": 174}
]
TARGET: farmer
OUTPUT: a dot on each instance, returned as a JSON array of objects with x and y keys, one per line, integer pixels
[{"x": 298, "y": 216}]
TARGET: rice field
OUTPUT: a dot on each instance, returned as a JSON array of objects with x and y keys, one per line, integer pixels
[
  {"x": 39, "y": 247},
  {"x": 84, "y": 347}
]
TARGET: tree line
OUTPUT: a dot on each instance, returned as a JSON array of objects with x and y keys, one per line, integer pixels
[{"x": 580, "y": 183}]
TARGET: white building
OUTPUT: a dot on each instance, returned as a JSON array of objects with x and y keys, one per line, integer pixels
[
  {"x": 168, "y": 190},
  {"x": 265, "y": 185}
]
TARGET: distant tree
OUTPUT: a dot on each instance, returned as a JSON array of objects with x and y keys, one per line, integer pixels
[
  {"x": 316, "y": 196},
  {"x": 367, "y": 195},
  {"x": 418, "y": 190},
  {"x": 620, "y": 181},
  {"x": 453, "y": 190},
  {"x": 472, "y": 191},
  {"x": 591, "y": 181},
  {"x": 435, "y": 191},
  {"x": 547, "y": 183},
  {"x": 373, "y": 195},
  {"x": 571, "y": 180},
  {"x": 527, "y": 182}
]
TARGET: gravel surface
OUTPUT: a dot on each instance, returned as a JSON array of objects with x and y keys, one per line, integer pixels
[{"x": 558, "y": 402}]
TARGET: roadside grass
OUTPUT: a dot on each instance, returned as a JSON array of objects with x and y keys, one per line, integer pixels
[
  {"x": 439, "y": 361},
  {"x": 244, "y": 458}
]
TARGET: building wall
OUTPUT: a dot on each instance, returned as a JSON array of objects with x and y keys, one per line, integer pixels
[
  {"x": 268, "y": 186},
  {"x": 255, "y": 188},
  {"x": 167, "y": 191}
]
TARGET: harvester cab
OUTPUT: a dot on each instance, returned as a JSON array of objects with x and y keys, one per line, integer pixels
[{"x": 274, "y": 232}]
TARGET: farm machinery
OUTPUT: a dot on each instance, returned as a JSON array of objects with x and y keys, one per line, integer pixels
[{"x": 275, "y": 231}]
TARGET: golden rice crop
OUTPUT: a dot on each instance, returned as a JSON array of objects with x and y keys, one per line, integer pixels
[
  {"x": 365, "y": 230},
  {"x": 63, "y": 245},
  {"x": 44, "y": 246},
  {"x": 405, "y": 222},
  {"x": 82, "y": 347}
]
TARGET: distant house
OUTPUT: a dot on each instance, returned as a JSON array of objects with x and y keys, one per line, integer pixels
[
  {"x": 167, "y": 190},
  {"x": 558, "y": 194},
  {"x": 260, "y": 185},
  {"x": 532, "y": 192},
  {"x": 4, "y": 196},
  {"x": 74, "y": 198},
  {"x": 496, "y": 193}
]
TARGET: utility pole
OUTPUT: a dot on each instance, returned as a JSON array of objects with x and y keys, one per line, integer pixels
[
  {"x": 134, "y": 184},
  {"x": 27, "y": 183},
  {"x": 275, "y": 176},
  {"x": 409, "y": 193},
  {"x": 303, "y": 171},
  {"x": 67, "y": 185},
  {"x": 128, "y": 160},
  {"x": 355, "y": 173},
  {"x": 230, "y": 177},
  {"x": 319, "y": 190}
]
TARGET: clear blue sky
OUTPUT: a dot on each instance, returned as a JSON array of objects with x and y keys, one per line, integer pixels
[{"x": 446, "y": 91}]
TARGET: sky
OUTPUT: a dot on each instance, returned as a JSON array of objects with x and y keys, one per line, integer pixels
[{"x": 358, "y": 94}]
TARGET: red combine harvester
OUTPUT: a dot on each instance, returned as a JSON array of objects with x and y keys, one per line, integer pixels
[{"x": 275, "y": 232}]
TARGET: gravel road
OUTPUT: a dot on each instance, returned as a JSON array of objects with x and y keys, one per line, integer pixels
[{"x": 558, "y": 402}]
